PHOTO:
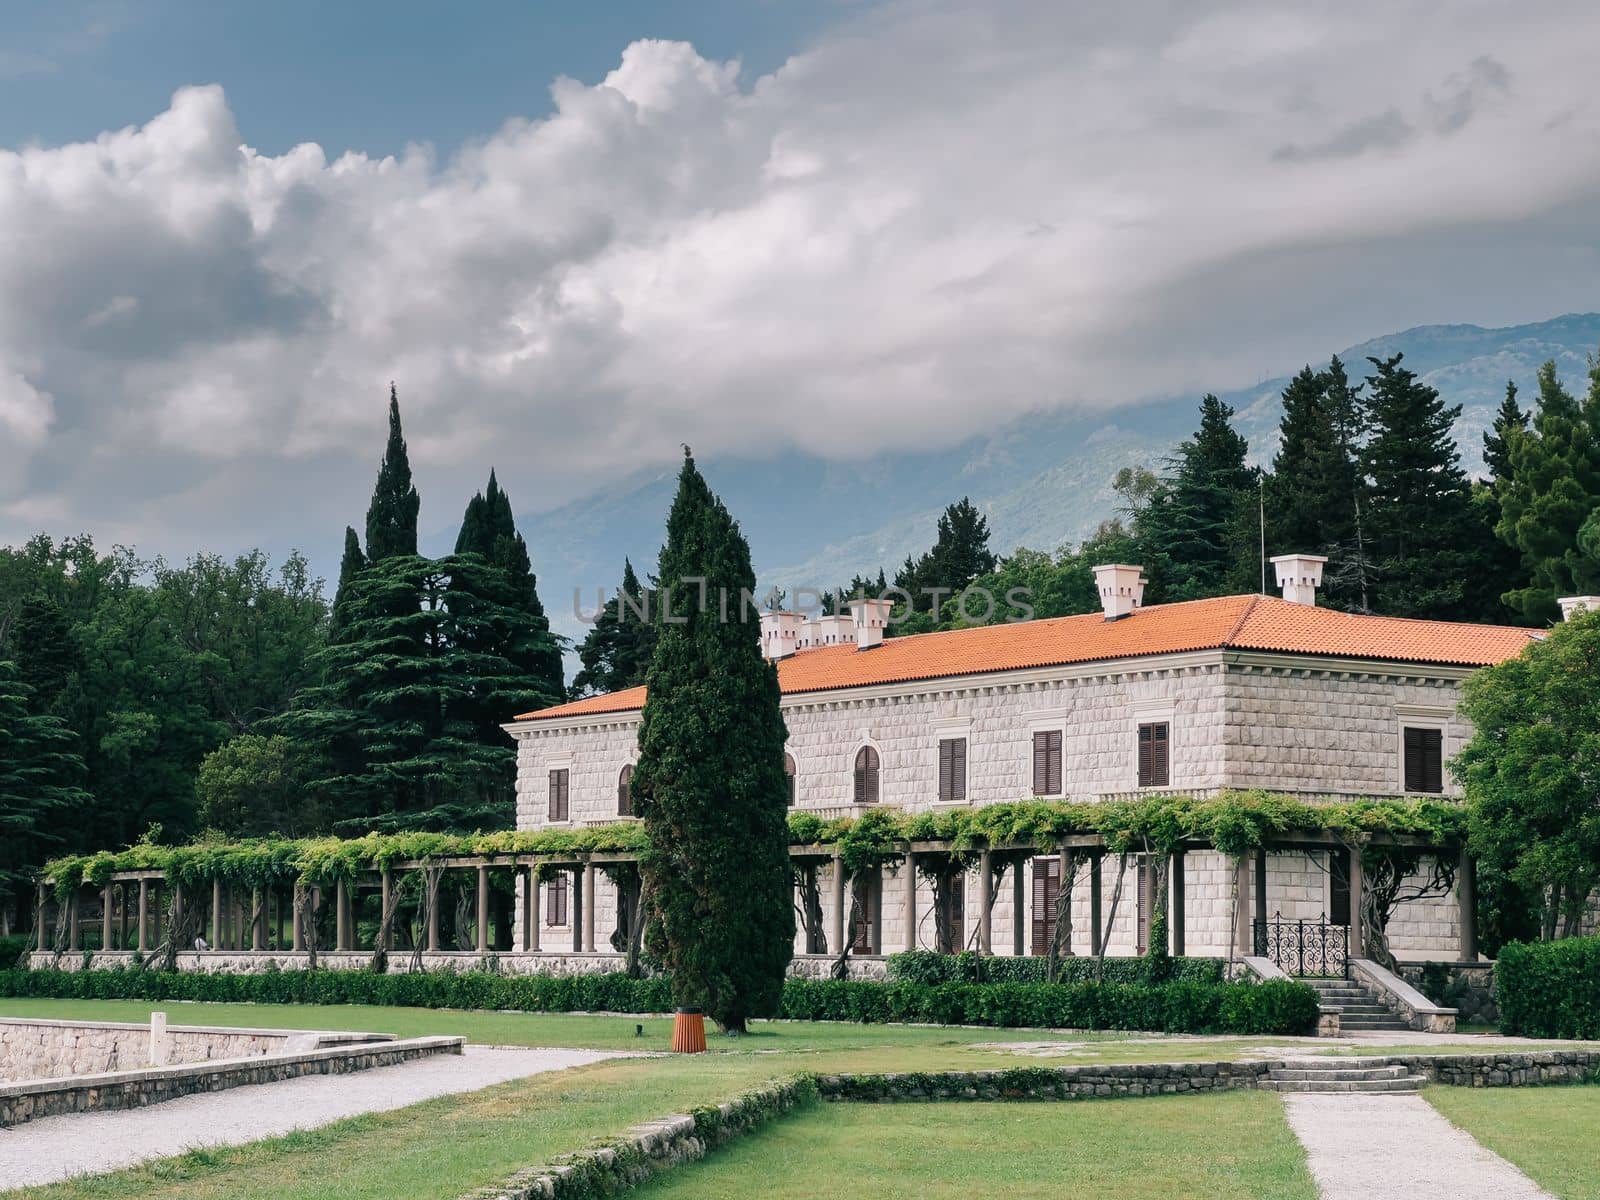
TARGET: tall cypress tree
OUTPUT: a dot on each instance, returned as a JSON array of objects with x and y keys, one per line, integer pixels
[
  {"x": 709, "y": 782},
  {"x": 350, "y": 565},
  {"x": 392, "y": 515},
  {"x": 1553, "y": 488}
]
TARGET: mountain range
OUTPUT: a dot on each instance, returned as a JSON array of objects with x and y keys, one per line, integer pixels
[{"x": 1043, "y": 481}]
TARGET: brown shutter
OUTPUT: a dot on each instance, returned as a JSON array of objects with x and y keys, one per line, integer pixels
[
  {"x": 872, "y": 776},
  {"x": 789, "y": 770},
  {"x": 866, "y": 780},
  {"x": 1142, "y": 912},
  {"x": 958, "y": 770},
  {"x": 558, "y": 795},
  {"x": 1433, "y": 760},
  {"x": 1046, "y": 891},
  {"x": 946, "y": 762},
  {"x": 1146, "y": 767},
  {"x": 625, "y": 792},
  {"x": 1159, "y": 771},
  {"x": 1047, "y": 763},
  {"x": 1055, "y": 762},
  {"x": 1414, "y": 778},
  {"x": 556, "y": 901}
]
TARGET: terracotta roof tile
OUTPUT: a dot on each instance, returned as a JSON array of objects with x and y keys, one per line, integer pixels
[{"x": 1241, "y": 622}]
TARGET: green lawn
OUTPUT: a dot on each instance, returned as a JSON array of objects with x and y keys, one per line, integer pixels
[
  {"x": 1550, "y": 1132},
  {"x": 1170, "y": 1147},
  {"x": 787, "y": 1045}
]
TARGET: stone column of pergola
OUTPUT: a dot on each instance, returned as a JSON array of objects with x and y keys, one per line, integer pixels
[
  {"x": 985, "y": 913},
  {"x": 144, "y": 915},
  {"x": 910, "y": 885},
  {"x": 530, "y": 908}
]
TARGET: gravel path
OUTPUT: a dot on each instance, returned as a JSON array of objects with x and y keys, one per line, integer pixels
[
  {"x": 1361, "y": 1147},
  {"x": 54, "y": 1148}
]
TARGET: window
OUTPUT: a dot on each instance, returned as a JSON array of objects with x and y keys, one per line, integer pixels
[
  {"x": 1424, "y": 767},
  {"x": 789, "y": 772},
  {"x": 558, "y": 794},
  {"x": 866, "y": 791},
  {"x": 865, "y": 901},
  {"x": 952, "y": 914},
  {"x": 555, "y": 900},
  {"x": 1143, "y": 908},
  {"x": 1046, "y": 894},
  {"x": 1047, "y": 762},
  {"x": 953, "y": 771},
  {"x": 1339, "y": 887},
  {"x": 1154, "y": 744},
  {"x": 625, "y": 792}
]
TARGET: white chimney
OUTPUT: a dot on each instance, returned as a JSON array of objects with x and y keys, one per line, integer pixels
[
  {"x": 871, "y": 619},
  {"x": 1121, "y": 588},
  {"x": 1571, "y": 605},
  {"x": 1299, "y": 575},
  {"x": 780, "y": 633},
  {"x": 827, "y": 630}
]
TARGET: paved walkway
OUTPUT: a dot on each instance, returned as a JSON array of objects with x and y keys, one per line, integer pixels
[
  {"x": 1361, "y": 1147},
  {"x": 55, "y": 1148}
]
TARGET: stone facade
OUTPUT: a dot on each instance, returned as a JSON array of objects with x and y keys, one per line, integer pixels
[
  {"x": 1298, "y": 724},
  {"x": 34, "y": 1049}
]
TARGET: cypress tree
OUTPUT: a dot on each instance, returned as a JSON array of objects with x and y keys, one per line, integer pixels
[
  {"x": 1509, "y": 422},
  {"x": 709, "y": 783},
  {"x": 392, "y": 515},
  {"x": 1295, "y": 511},
  {"x": 1426, "y": 542},
  {"x": 351, "y": 565},
  {"x": 1551, "y": 490}
]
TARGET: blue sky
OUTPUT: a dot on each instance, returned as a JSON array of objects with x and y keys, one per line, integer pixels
[
  {"x": 362, "y": 76},
  {"x": 847, "y": 230}
]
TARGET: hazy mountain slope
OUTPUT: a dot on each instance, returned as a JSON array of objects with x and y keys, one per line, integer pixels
[{"x": 1043, "y": 481}]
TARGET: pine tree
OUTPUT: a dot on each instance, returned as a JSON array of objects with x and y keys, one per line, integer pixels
[
  {"x": 1198, "y": 531},
  {"x": 1426, "y": 542},
  {"x": 1509, "y": 422},
  {"x": 616, "y": 652},
  {"x": 40, "y": 771},
  {"x": 351, "y": 565},
  {"x": 1294, "y": 510},
  {"x": 960, "y": 554},
  {"x": 1552, "y": 489},
  {"x": 710, "y": 783},
  {"x": 392, "y": 515}
]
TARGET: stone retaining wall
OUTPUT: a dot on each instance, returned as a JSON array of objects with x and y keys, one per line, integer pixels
[
  {"x": 647, "y": 1150},
  {"x": 1047, "y": 1083},
  {"x": 39, "y": 1049},
  {"x": 238, "y": 962},
  {"x": 28, "y": 1101}
]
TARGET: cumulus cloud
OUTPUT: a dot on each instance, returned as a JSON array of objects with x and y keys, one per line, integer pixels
[{"x": 939, "y": 216}]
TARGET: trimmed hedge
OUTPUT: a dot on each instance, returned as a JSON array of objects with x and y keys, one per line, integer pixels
[
  {"x": 1550, "y": 989},
  {"x": 925, "y": 966},
  {"x": 1181, "y": 1006}
]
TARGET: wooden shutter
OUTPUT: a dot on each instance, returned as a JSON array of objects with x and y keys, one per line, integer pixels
[
  {"x": 556, "y": 901},
  {"x": 1154, "y": 740},
  {"x": 1046, "y": 891},
  {"x": 866, "y": 781},
  {"x": 1047, "y": 762},
  {"x": 1142, "y": 910},
  {"x": 789, "y": 770},
  {"x": 863, "y": 913},
  {"x": 625, "y": 792},
  {"x": 953, "y": 771},
  {"x": 1424, "y": 760},
  {"x": 1339, "y": 887},
  {"x": 558, "y": 795}
]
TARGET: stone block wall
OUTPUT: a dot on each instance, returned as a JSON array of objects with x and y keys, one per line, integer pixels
[{"x": 38, "y": 1049}]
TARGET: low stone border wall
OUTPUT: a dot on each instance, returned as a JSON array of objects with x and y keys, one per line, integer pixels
[
  {"x": 647, "y": 1150},
  {"x": 1047, "y": 1083},
  {"x": 1502, "y": 1069},
  {"x": 28, "y": 1101}
]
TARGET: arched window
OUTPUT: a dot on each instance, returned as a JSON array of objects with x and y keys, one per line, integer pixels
[
  {"x": 625, "y": 792},
  {"x": 789, "y": 770},
  {"x": 866, "y": 776}
]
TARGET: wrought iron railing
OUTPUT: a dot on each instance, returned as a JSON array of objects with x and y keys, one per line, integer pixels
[{"x": 1304, "y": 948}]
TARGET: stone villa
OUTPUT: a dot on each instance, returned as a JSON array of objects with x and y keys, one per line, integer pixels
[{"x": 1235, "y": 692}]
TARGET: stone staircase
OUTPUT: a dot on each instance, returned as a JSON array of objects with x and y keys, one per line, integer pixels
[
  {"x": 1327, "y": 1075},
  {"x": 1359, "y": 1007}
]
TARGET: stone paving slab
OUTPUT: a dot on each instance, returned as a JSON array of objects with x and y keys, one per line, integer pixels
[
  {"x": 55, "y": 1148},
  {"x": 1360, "y": 1147}
]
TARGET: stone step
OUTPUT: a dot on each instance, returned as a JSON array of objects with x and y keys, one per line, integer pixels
[
  {"x": 1364, "y": 1010},
  {"x": 1398, "y": 1086},
  {"x": 1339, "y": 1072},
  {"x": 1373, "y": 1025}
]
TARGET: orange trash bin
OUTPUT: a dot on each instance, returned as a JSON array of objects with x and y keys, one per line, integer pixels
[{"x": 688, "y": 1031}]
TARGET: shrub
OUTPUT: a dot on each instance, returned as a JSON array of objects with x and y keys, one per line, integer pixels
[
  {"x": 1550, "y": 989},
  {"x": 12, "y": 948},
  {"x": 1179, "y": 1006},
  {"x": 926, "y": 967}
]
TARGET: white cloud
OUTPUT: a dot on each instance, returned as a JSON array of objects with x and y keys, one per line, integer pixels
[{"x": 940, "y": 216}]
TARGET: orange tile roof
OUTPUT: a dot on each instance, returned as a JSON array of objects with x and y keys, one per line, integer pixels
[{"x": 1236, "y": 622}]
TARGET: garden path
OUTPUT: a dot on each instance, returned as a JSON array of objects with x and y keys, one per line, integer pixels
[
  {"x": 1364, "y": 1146},
  {"x": 55, "y": 1148}
]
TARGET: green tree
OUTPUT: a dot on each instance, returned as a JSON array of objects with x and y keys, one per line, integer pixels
[
  {"x": 254, "y": 785},
  {"x": 39, "y": 776},
  {"x": 959, "y": 555},
  {"x": 710, "y": 783},
  {"x": 1552, "y": 489},
  {"x": 352, "y": 563},
  {"x": 1531, "y": 772},
  {"x": 1198, "y": 530},
  {"x": 616, "y": 651},
  {"x": 46, "y": 651},
  {"x": 1509, "y": 423},
  {"x": 1426, "y": 542},
  {"x": 392, "y": 515}
]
